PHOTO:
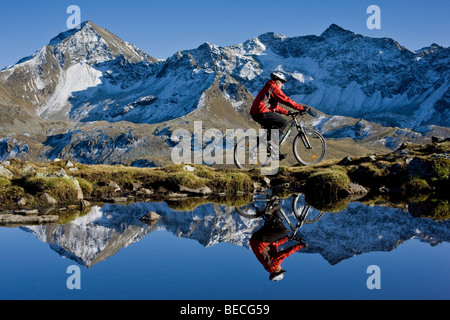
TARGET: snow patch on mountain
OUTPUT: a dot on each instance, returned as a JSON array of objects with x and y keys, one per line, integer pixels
[{"x": 78, "y": 77}]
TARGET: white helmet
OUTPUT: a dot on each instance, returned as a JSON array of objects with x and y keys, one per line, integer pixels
[
  {"x": 277, "y": 276},
  {"x": 277, "y": 75}
]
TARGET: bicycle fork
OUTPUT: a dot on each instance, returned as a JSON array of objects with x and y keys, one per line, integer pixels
[
  {"x": 305, "y": 138},
  {"x": 301, "y": 130}
]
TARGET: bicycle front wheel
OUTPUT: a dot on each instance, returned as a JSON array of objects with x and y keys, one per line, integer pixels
[
  {"x": 309, "y": 147},
  {"x": 255, "y": 208},
  {"x": 250, "y": 211},
  {"x": 305, "y": 212}
]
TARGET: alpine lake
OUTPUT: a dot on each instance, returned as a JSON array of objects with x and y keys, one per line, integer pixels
[{"x": 194, "y": 249}]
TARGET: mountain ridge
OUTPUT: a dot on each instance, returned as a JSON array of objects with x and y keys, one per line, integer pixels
[{"x": 89, "y": 75}]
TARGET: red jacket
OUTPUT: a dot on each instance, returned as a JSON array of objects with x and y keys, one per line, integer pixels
[
  {"x": 268, "y": 254},
  {"x": 268, "y": 98}
]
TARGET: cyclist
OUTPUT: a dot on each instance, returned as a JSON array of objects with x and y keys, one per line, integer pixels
[
  {"x": 265, "y": 243},
  {"x": 265, "y": 109}
]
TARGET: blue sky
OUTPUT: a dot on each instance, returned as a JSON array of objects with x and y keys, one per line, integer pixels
[{"x": 161, "y": 28}]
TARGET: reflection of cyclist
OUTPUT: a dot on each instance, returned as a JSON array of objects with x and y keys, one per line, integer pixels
[
  {"x": 266, "y": 105},
  {"x": 265, "y": 243}
]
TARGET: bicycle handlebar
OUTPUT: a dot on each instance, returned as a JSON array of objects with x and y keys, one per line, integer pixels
[
  {"x": 297, "y": 113},
  {"x": 303, "y": 112}
]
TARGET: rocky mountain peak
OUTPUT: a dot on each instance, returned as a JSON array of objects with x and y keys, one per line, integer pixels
[
  {"x": 430, "y": 49},
  {"x": 68, "y": 33},
  {"x": 271, "y": 39},
  {"x": 334, "y": 30},
  {"x": 93, "y": 44}
]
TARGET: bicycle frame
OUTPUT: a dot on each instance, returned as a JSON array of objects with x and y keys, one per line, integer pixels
[
  {"x": 309, "y": 146},
  {"x": 299, "y": 223},
  {"x": 274, "y": 206},
  {"x": 300, "y": 128},
  {"x": 272, "y": 209}
]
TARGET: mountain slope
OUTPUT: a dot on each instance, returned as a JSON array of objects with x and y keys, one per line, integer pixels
[
  {"x": 43, "y": 83},
  {"x": 343, "y": 73},
  {"x": 90, "y": 96}
]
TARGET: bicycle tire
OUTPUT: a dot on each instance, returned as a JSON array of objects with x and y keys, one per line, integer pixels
[
  {"x": 309, "y": 156},
  {"x": 246, "y": 155},
  {"x": 246, "y": 212},
  {"x": 299, "y": 213}
]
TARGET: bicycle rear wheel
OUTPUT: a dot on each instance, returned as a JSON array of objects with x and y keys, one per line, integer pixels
[
  {"x": 309, "y": 147},
  {"x": 247, "y": 155}
]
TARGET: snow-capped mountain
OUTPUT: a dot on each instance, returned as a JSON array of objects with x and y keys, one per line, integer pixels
[
  {"x": 336, "y": 236},
  {"x": 67, "y": 64},
  {"x": 89, "y": 75},
  {"x": 343, "y": 73}
]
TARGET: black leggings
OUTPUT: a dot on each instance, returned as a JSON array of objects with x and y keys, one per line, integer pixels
[{"x": 271, "y": 120}]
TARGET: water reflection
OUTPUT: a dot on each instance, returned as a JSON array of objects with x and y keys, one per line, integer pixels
[
  {"x": 105, "y": 230},
  {"x": 335, "y": 236},
  {"x": 278, "y": 230}
]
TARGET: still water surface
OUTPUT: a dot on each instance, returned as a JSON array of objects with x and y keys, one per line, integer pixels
[{"x": 205, "y": 254}]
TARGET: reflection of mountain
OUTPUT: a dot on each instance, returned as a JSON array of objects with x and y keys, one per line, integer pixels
[
  {"x": 360, "y": 228},
  {"x": 104, "y": 231},
  {"x": 336, "y": 236},
  {"x": 94, "y": 237}
]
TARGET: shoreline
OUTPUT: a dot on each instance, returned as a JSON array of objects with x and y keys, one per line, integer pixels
[{"x": 411, "y": 174}]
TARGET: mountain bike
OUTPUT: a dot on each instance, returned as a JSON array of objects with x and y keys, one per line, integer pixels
[
  {"x": 309, "y": 146},
  {"x": 266, "y": 206}
]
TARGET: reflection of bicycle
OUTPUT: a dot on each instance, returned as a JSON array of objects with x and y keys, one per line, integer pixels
[
  {"x": 309, "y": 146},
  {"x": 266, "y": 207}
]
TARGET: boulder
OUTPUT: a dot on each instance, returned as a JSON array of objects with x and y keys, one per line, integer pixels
[
  {"x": 21, "y": 201},
  {"x": 198, "y": 191},
  {"x": 420, "y": 167},
  {"x": 84, "y": 204},
  {"x": 48, "y": 199},
  {"x": 27, "y": 212},
  {"x": 345, "y": 161},
  {"x": 357, "y": 189},
  {"x": 136, "y": 186},
  {"x": 5, "y": 172},
  {"x": 15, "y": 220},
  {"x": 114, "y": 185},
  {"x": 28, "y": 170},
  {"x": 150, "y": 218},
  {"x": 61, "y": 173}
]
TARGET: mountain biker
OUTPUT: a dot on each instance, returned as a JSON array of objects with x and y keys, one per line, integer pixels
[
  {"x": 265, "y": 243},
  {"x": 265, "y": 109}
]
